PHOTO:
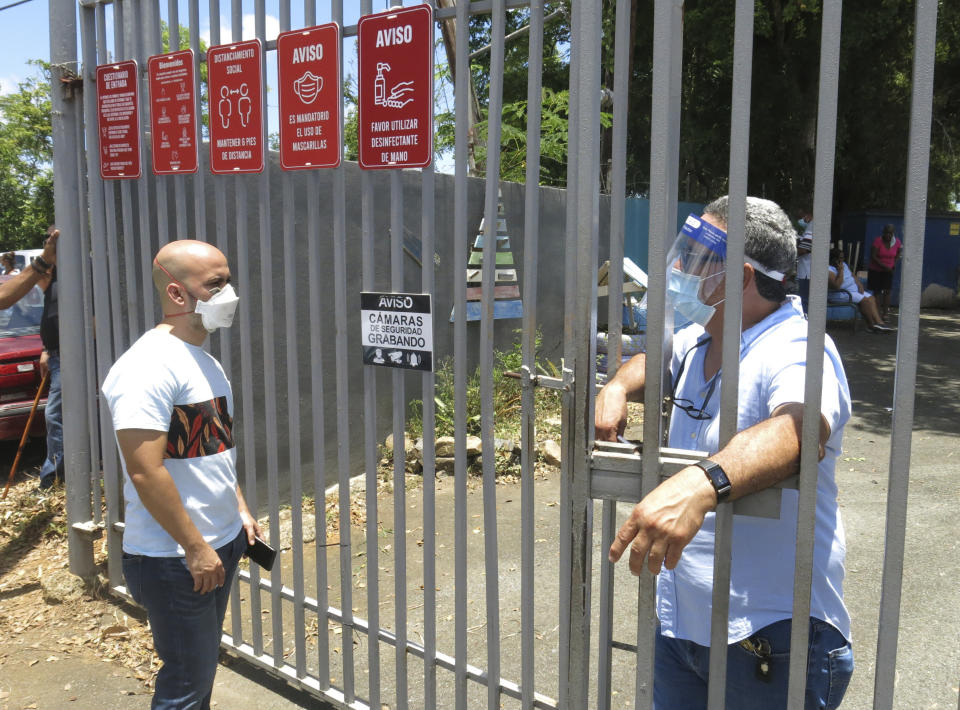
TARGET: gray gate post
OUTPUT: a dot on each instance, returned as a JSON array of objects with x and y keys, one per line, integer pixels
[
  {"x": 586, "y": 143},
  {"x": 66, "y": 116}
]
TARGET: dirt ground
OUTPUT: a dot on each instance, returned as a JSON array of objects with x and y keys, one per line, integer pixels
[{"x": 50, "y": 618}]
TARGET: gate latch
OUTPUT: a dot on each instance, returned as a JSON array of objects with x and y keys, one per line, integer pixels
[{"x": 529, "y": 379}]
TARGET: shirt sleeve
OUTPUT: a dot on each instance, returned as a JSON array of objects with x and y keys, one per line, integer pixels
[
  {"x": 787, "y": 382},
  {"x": 143, "y": 400}
]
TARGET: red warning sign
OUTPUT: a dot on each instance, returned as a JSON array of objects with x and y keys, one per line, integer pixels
[
  {"x": 118, "y": 120},
  {"x": 308, "y": 65},
  {"x": 236, "y": 109},
  {"x": 173, "y": 120},
  {"x": 396, "y": 88}
]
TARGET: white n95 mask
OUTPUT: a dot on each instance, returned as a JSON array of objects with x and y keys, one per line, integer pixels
[{"x": 218, "y": 311}]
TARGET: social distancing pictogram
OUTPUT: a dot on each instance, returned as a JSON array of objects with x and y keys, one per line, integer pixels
[{"x": 236, "y": 111}]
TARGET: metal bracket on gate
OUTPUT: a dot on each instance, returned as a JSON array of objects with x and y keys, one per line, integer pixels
[
  {"x": 615, "y": 474},
  {"x": 529, "y": 379},
  {"x": 89, "y": 529}
]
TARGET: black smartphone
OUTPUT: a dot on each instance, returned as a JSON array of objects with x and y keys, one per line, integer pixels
[{"x": 261, "y": 553}]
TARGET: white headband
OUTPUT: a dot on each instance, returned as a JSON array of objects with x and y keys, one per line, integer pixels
[{"x": 775, "y": 275}]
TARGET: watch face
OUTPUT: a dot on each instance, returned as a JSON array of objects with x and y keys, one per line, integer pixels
[{"x": 718, "y": 478}]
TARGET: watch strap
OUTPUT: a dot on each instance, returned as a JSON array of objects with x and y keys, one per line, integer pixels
[{"x": 717, "y": 477}]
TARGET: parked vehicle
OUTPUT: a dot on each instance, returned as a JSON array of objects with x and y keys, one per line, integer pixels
[
  {"x": 20, "y": 349},
  {"x": 22, "y": 257}
]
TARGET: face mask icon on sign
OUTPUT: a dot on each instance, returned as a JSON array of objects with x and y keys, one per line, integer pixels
[{"x": 308, "y": 86}]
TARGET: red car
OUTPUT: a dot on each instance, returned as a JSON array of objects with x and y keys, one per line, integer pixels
[{"x": 20, "y": 349}]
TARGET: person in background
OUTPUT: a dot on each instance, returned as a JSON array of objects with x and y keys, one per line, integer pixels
[
  {"x": 846, "y": 288},
  {"x": 53, "y": 468},
  {"x": 13, "y": 289},
  {"x": 9, "y": 263},
  {"x": 884, "y": 255},
  {"x": 187, "y": 523}
]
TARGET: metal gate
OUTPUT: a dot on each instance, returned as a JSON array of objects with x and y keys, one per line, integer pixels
[{"x": 121, "y": 226}]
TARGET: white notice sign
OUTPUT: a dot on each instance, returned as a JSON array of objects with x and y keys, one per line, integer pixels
[{"x": 397, "y": 330}]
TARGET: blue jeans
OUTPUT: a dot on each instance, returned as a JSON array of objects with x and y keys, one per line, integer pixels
[
  {"x": 53, "y": 464},
  {"x": 186, "y": 625},
  {"x": 682, "y": 670}
]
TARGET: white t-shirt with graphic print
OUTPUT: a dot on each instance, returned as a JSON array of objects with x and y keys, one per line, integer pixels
[{"x": 163, "y": 383}]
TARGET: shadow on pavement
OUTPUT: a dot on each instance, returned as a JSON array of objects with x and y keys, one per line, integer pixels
[{"x": 870, "y": 361}]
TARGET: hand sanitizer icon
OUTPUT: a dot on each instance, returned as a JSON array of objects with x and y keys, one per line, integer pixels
[{"x": 380, "y": 85}]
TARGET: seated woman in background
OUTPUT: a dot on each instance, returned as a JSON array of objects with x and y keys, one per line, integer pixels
[{"x": 845, "y": 287}]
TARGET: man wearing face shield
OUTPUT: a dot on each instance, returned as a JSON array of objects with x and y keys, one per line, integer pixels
[
  {"x": 186, "y": 521},
  {"x": 671, "y": 531}
]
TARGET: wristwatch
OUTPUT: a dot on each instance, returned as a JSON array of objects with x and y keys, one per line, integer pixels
[{"x": 718, "y": 479}]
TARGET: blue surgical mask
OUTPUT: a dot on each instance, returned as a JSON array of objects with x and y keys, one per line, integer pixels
[{"x": 684, "y": 291}]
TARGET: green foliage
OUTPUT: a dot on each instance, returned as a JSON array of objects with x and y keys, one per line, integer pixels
[
  {"x": 506, "y": 396},
  {"x": 184, "y": 42},
  {"x": 26, "y": 153},
  {"x": 554, "y": 122},
  {"x": 351, "y": 119},
  {"x": 876, "y": 63},
  {"x": 555, "y": 80}
]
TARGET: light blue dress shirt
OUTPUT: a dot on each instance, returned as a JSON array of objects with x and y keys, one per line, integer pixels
[{"x": 772, "y": 373}]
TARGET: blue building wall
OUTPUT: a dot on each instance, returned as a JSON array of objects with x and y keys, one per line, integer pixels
[
  {"x": 941, "y": 244},
  {"x": 636, "y": 233}
]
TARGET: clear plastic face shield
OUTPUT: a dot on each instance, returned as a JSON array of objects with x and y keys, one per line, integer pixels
[{"x": 696, "y": 264}]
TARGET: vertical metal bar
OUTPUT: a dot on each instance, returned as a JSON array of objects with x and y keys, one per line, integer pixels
[
  {"x": 109, "y": 196},
  {"x": 135, "y": 49},
  {"x": 173, "y": 25},
  {"x": 198, "y": 181},
  {"x": 729, "y": 387},
  {"x": 104, "y": 432},
  {"x": 269, "y": 367},
  {"x": 223, "y": 336},
  {"x": 370, "y": 435},
  {"x": 491, "y": 211},
  {"x": 810, "y": 436},
  {"x": 566, "y": 433},
  {"x": 290, "y": 247},
  {"x": 605, "y": 651},
  {"x": 121, "y": 31},
  {"x": 618, "y": 197},
  {"x": 64, "y": 119},
  {"x": 664, "y": 169},
  {"x": 399, "y": 451},
  {"x": 343, "y": 441},
  {"x": 460, "y": 236},
  {"x": 112, "y": 482},
  {"x": 179, "y": 198},
  {"x": 621, "y": 74},
  {"x": 370, "y": 451},
  {"x": 343, "y": 435},
  {"x": 918, "y": 163},
  {"x": 248, "y": 452},
  {"x": 90, "y": 360},
  {"x": 319, "y": 436},
  {"x": 587, "y": 196},
  {"x": 531, "y": 245},
  {"x": 427, "y": 285},
  {"x": 316, "y": 378},
  {"x": 153, "y": 44},
  {"x": 249, "y": 413}
]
